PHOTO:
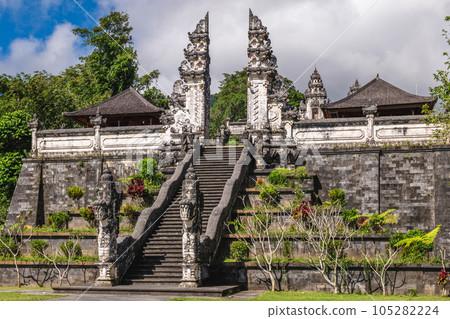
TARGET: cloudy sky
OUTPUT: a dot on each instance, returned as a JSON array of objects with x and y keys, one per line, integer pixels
[{"x": 345, "y": 39}]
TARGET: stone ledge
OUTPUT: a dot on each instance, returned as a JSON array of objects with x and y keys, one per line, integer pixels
[
  {"x": 371, "y": 237},
  {"x": 48, "y": 263},
  {"x": 300, "y": 265}
]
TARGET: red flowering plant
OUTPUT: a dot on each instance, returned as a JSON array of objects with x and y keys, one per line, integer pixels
[
  {"x": 304, "y": 211},
  {"x": 136, "y": 188},
  {"x": 442, "y": 278}
]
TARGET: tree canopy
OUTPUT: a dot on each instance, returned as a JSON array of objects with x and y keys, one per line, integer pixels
[
  {"x": 441, "y": 117},
  {"x": 114, "y": 60},
  {"x": 111, "y": 68},
  {"x": 231, "y": 100}
]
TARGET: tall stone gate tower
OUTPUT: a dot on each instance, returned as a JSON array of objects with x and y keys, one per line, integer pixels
[
  {"x": 261, "y": 72},
  {"x": 195, "y": 73}
]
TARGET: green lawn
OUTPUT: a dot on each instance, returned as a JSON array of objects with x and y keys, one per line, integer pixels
[
  {"x": 19, "y": 296},
  {"x": 324, "y": 296},
  {"x": 26, "y": 288}
]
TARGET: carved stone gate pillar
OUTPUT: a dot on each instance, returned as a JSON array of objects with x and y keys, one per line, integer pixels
[
  {"x": 190, "y": 215},
  {"x": 106, "y": 208},
  {"x": 97, "y": 121},
  {"x": 369, "y": 111},
  {"x": 34, "y": 126}
]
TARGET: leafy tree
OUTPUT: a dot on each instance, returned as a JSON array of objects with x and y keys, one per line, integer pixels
[
  {"x": 15, "y": 134},
  {"x": 10, "y": 165},
  {"x": 442, "y": 92},
  {"x": 114, "y": 60},
  {"x": 150, "y": 92},
  {"x": 231, "y": 101}
]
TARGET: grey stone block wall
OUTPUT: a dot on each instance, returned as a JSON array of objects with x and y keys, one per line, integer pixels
[
  {"x": 298, "y": 276},
  {"x": 35, "y": 274},
  {"x": 28, "y": 193},
  {"x": 413, "y": 180},
  {"x": 43, "y": 183}
]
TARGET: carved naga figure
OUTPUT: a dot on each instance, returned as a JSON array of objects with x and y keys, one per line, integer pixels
[
  {"x": 106, "y": 208},
  {"x": 190, "y": 215}
]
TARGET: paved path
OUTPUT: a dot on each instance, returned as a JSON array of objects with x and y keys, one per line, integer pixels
[{"x": 243, "y": 295}]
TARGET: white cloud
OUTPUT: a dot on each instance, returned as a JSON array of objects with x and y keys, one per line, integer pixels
[
  {"x": 53, "y": 54},
  {"x": 401, "y": 40}
]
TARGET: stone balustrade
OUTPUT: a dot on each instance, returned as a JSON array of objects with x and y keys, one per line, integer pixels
[{"x": 99, "y": 141}]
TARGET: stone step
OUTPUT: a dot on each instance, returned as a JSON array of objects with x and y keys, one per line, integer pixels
[{"x": 174, "y": 289}]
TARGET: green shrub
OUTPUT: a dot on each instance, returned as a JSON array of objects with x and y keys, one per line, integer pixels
[
  {"x": 58, "y": 220},
  {"x": 350, "y": 216},
  {"x": 417, "y": 250},
  {"x": 277, "y": 178},
  {"x": 337, "y": 197},
  {"x": 287, "y": 249},
  {"x": 233, "y": 140},
  {"x": 71, "y": 250},
  {"x": 38, "y": 247},
  {"x": 130, "y": 212},
  {"x": 269, "y": 195},
  {"x": 75, "y": 193},
  {"x": 88, "y": 214},
  {"x": 239, "y": 250},
  {"x": 6, "y": 242},
  {"x": 262, "y": 221}
]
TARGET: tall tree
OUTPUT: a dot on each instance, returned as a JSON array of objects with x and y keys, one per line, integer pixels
[
  {"x": 114, "y": 60},
  {"x": 231, "y": 101},
  {"x": 441, "y": 117}
]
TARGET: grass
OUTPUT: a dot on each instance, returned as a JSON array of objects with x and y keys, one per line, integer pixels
[
  {"x": 26, "y": 288},
  {"x": 18, "y": 296},
  {"x": 325, "y": 296}
]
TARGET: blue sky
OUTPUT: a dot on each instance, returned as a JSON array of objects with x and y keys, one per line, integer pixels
[{"x": 399, "y": 39}]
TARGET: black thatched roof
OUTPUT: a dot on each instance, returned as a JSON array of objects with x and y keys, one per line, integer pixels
[
  {"x": 381, "y": 93},
  {"x": 128, "y": 102}
]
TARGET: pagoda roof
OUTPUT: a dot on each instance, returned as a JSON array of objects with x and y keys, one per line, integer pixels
[
  {"x": 380, "y": 93},
  {"x": 128, "y": 102}
]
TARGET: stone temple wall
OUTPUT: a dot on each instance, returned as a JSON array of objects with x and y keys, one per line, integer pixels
[
  {"x": 43, "y": 183},
  {"x": 412, "y": 180}
]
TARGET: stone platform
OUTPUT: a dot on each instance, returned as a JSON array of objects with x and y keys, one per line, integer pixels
[{"x": 211, "y": 291}]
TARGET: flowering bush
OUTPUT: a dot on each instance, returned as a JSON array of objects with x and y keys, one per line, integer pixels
[
  {"x": 304, "y": 211},
  {"x": 136, "y": 188},
  {"x": 260, "y": 183},
  {"x": 442, "y": 278}
]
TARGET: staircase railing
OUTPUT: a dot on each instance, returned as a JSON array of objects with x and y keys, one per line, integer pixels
[
  {"x": 146, "y": 222},
  {"x": 209, "y": 242}
]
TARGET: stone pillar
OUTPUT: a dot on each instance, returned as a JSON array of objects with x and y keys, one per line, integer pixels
[
  {"x": 34, "y": 126},
  {"x": 97, "y": 121},
  {"x": 261, "y": 70},
  {"x": 369, "y": 111},
  {"x": 195, "y": 73},
  {"x": 106, "y": 208},
  {"x": 190, "y": 215}
]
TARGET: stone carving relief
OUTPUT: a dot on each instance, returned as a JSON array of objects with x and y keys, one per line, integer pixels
[
  {"x": 106, "y": 208},
  {"x": 190, "y": 215}
]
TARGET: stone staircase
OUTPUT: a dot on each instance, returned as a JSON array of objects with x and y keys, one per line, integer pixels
[{"x": 161, "y": 258}]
